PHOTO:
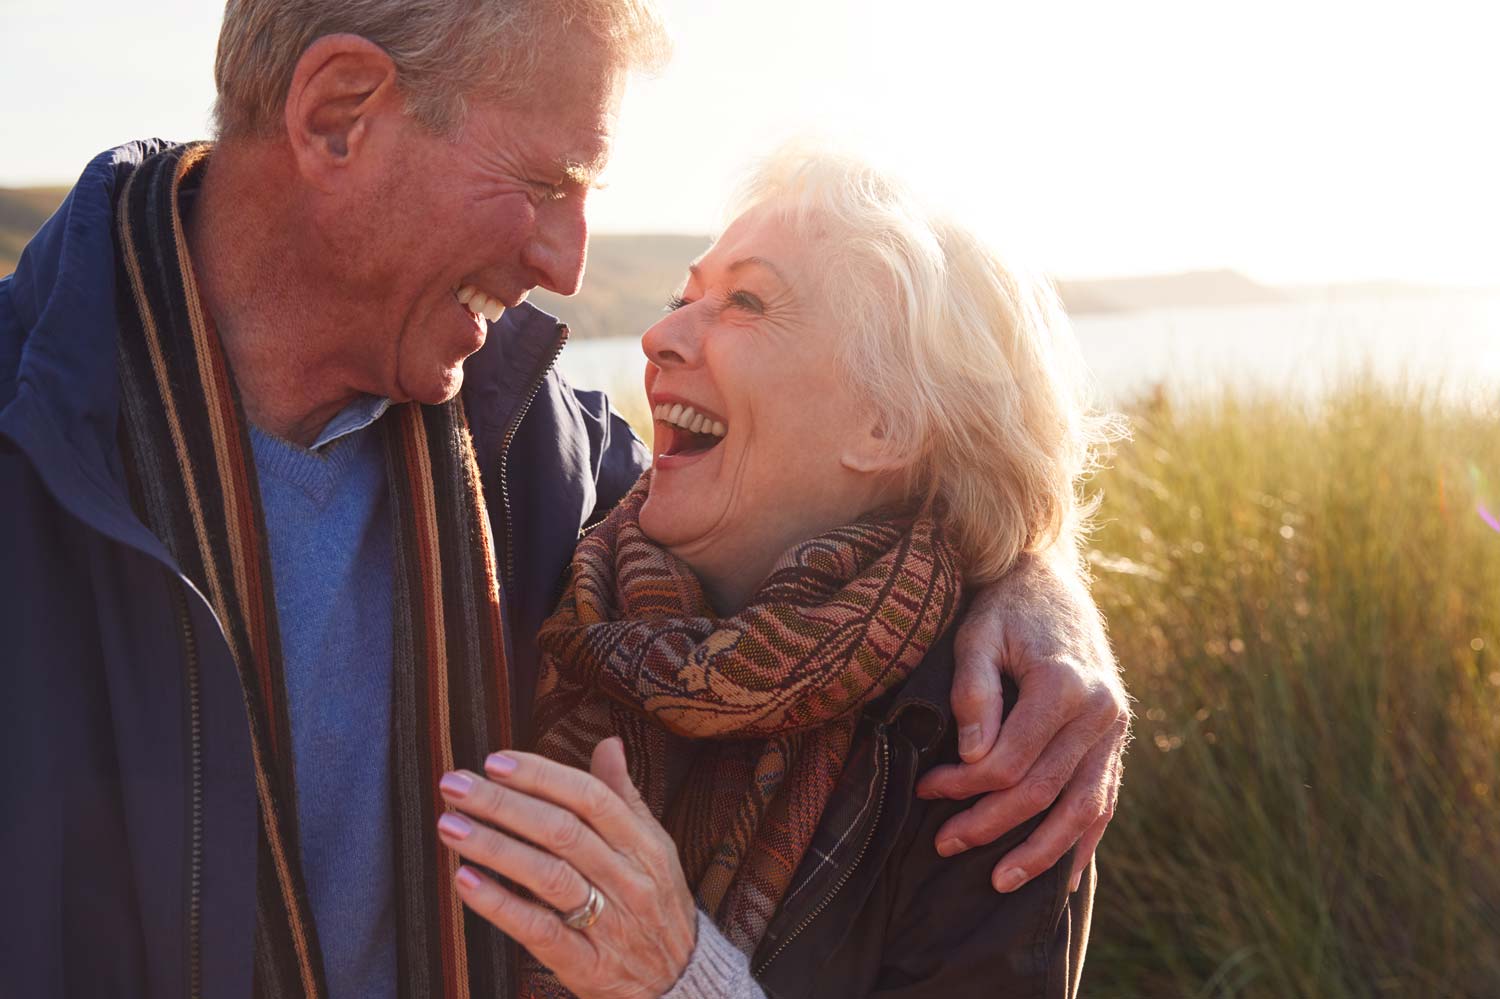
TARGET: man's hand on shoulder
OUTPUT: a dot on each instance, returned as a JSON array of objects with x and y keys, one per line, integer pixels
[{"x": 1065, "y": 736}]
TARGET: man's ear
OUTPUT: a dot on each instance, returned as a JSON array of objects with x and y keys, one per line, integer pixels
[
  {"x": 872, "y": 451},
  {"x": 341, "y": 85}
]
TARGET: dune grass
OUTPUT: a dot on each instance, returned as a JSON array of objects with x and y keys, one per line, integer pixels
[{"x": 1305, "y": 599}]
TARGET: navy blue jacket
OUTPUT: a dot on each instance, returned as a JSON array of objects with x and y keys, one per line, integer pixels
[{"x": 96, "y": 787}]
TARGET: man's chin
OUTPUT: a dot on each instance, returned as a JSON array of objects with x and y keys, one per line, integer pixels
[{"x": 437, "y": 390}]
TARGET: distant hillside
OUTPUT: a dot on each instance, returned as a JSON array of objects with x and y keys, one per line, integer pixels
[
  {"x": 1158, "y": 291},
  {"x": 22, "y": 211},
  {"x": 630, "y": 277},
  {"x": 626, "y": 285}
]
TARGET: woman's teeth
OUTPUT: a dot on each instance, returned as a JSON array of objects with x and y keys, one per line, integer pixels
[
  {"x": 688, "y": 419},
  {"x": 479, "y": 303}
]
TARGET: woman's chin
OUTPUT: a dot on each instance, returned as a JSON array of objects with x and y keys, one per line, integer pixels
[
  {"x": 672, "y": 521},
  {"x": 656, "y": 520}
]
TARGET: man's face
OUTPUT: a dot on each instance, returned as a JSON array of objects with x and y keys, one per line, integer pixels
[{"x": 498, "y": 208}]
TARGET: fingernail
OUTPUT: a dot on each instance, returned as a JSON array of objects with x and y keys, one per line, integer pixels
[
  {"x": 1010, "y": 879},
  {"x": 454, "y": 826},
  {"x": 499, "y": 764},
  {"x": 1077, "y": 879},
  {"x": 951, "y": 846},
  {"x": 466, "y": 878},
  {"x": 457, "y": 784},
  {"x": 969, "y": 738}
]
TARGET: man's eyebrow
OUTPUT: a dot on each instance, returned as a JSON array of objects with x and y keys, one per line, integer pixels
[{"x": 581, "y": 173}]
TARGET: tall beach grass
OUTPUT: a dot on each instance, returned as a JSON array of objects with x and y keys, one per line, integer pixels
[{"x": 1305, "y": 600}]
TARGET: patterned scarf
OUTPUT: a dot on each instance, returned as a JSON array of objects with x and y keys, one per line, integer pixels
[
  {"x": 736, "y": 728},
  {"x": 193, "y": 479}
]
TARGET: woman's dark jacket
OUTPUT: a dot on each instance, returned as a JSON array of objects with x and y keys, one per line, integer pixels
[{"x": 874, "y": 911}]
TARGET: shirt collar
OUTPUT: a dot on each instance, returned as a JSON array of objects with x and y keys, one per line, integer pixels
[{"x": 354, "y": 417}]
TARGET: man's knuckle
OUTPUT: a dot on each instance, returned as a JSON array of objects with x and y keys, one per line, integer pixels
[
  {"x": 1100, "y": 699},
  {"x": 1007, "y": 772},
  {"x": 968, "y": 698},
  {"x": 1042, "y": 790},
  {"x": 1062, "y": 682},
  {"x": 1083, "y": 812}
]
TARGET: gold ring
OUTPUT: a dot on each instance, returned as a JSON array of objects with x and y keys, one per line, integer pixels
[{"x": 587, "y": 914}]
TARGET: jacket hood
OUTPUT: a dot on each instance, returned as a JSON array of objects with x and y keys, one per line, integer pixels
[{"x": 57, "y": 317}]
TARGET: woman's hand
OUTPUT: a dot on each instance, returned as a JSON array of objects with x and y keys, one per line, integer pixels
[{"x": 556, "y": 830}]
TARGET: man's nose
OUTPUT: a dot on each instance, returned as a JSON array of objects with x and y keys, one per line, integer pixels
[{"x": 558, "y": 248}]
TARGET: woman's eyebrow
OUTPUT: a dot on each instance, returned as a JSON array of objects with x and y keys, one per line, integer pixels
[{"x": 695, "y": 270}]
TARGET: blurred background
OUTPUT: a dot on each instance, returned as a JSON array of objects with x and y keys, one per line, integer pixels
[{"x": 1275, "y": 228}]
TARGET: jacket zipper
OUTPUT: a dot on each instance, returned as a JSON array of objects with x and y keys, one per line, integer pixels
[
  {"x": 883, "y": 777},
  {"x": 195, "y": 769},
  {"x": 510, "y": 433}
]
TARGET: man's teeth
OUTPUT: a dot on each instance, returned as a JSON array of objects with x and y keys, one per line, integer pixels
[
  {"x": 689, "y": 419},
  {"x": 479, "y": 303}
]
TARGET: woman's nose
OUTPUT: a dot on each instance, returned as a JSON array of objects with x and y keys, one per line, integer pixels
[{"x": 675, "y": 339}]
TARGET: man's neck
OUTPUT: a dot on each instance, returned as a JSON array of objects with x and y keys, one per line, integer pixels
[{"x": 280, "y": 336}]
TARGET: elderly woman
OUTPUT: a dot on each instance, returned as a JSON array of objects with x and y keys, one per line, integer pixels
[{"x": 859, "y": 412}]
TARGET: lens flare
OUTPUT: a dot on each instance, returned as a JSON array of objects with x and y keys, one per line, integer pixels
[{"x": 1480, "y": 492}]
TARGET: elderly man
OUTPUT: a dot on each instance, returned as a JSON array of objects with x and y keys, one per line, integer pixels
[{"x": 284, "y": 499}]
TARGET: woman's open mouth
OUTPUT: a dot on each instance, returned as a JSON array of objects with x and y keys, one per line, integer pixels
[{"x": 685, "y": 432}]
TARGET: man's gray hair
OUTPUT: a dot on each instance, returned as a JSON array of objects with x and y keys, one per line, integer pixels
[{"x": 444, "y": 50}]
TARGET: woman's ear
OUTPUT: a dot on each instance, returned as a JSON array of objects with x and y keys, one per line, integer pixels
[
  {"x": 341, "y": 86},
  {"x": 871, "y": 450}
]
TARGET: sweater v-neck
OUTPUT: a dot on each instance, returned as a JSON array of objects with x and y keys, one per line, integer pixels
[{"x": 318, "y": 469}]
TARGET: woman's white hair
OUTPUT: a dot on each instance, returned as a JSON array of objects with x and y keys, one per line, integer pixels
[
  {"x": 444, "y": 50},
  {"x": 970, "y": 365}
]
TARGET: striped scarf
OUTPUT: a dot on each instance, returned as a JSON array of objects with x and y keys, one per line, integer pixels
[
  {"x": 736, "y": 728},
  {"x": 193, "y": 481}
]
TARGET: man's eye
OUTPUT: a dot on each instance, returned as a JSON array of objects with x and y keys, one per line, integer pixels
[
  {"x": 676, "y": 302},
  {"x": 548, "y": 192}
]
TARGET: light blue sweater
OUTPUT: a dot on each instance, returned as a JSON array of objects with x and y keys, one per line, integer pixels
[{"x": 328, "y": 522}]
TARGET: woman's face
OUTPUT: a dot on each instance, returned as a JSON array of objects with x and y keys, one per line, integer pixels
[{"x": 760, "y": 439}]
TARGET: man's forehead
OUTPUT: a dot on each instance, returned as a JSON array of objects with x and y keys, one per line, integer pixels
[{"x": 581, "y": 138}]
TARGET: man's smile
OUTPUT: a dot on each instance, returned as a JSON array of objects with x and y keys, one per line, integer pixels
[{"x": 481, "y": 303}]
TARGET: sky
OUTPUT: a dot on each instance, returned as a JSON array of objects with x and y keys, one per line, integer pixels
[{"x": 1300, "y": 142}]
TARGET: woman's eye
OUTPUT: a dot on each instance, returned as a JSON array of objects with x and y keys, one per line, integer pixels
[
  {"x": 745, "y": 300},
  {"x": 676, "y": 302}
]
